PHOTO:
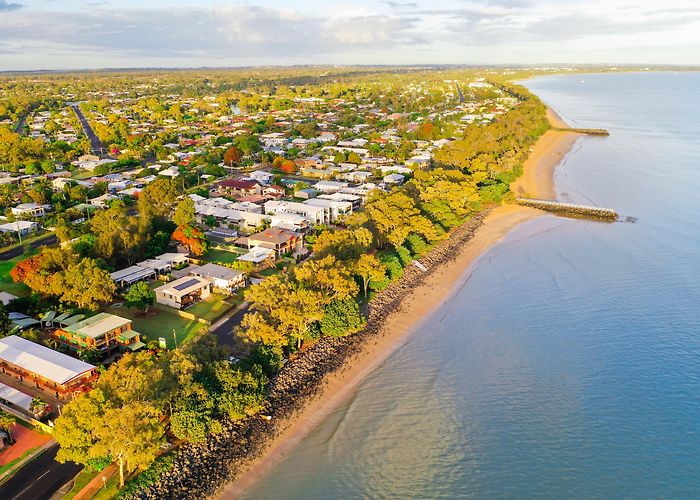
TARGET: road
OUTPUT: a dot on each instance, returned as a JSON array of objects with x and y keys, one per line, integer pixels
[
  {"x": 459, "y": 92},
  {"x": 223, "y": 331},
  {"x": 95, "y": 142},
  {"x": 49, "y": 240},
  {"x": 40, "y": 479},
  {"x": 19, "y": 129}
]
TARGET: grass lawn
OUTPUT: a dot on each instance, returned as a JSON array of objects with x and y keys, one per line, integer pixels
[
  {"x": 17, "y": 460},
  {"x": 6, "y": 283},
  {"x": 110, "y": 489},
  {"x": 82, "y": 479},
  {"x": 158, "y": 323},
  {"x": 222, "y": 256},
  {"x": 213, "y": 307}
]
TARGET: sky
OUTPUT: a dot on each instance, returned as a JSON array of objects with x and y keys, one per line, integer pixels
[{"x": 86, "y": 34}]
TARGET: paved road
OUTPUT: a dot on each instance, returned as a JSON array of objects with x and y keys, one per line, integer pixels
[
  {"x": 95, "y": 142},
  {"x": 19, "y": 129},
  {"x": 459, "y": 92},
  {"x": 49, "y": 240},
  {"x": 40, "y": 479},
  {"x": 223, "y": 331}
]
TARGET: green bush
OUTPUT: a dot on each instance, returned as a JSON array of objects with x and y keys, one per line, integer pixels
[
  {"x": 394, "y": 269},
  {"x": 416, "y": 244},
  {"x": 404, "y": 255},
  {"x": 342, "y": 317}
]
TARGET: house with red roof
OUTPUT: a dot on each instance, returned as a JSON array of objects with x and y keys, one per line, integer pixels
[{"x": 237, "y": 188}]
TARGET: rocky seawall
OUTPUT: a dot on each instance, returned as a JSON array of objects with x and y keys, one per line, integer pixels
[{"x": 204, "y": 469}]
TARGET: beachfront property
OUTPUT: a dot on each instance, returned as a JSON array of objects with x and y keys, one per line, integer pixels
[
  {"x": 221, "y": 277},
  {"x": 37, "y": 366},
  {"x": 183, "y": 292},
  {"x": 279, "y": 240},
  {"x": 103, "y": 332}
]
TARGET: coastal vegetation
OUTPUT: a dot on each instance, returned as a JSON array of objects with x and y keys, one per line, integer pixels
[{"x": 457, "y": 161}]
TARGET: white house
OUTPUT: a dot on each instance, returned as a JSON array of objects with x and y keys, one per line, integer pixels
[
  {"x": 334, "y": 209},
  {"x": 394, "y": 179},
  {"x": 262, "y": 177},
  {"x": 29, "y": 210},
  {"x": 329, "y": 186},
  {"x": 221, "y": 277},
  {"x": 22, "y": 227},
  {"x": 183, "y": 292},
  {"x": 314, "y": 214}
]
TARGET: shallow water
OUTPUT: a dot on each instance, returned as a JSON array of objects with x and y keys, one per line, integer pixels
[{"x": 568, "y": 365}]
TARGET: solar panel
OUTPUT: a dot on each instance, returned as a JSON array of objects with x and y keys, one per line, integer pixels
[{"x": 186, "y": 284}]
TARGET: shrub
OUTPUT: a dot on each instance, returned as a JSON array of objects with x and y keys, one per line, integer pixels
[
  {"x": 342, "y": 317},
  {"x": 404, "y": 255},
  {"x": 393, "y": 265},
  {"x": 416, "y": 244}
]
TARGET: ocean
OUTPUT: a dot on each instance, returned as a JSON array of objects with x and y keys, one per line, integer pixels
[{"x": 567, "y": 365}]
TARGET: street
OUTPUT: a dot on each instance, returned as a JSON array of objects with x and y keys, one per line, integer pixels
[
  {"x": 223, "y": 331},
  {"x": 40, "y": 479},
  {"x": 49, "y": 240}
]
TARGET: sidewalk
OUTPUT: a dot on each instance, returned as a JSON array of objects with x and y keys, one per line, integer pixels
[{"x": 91, "y": 489}]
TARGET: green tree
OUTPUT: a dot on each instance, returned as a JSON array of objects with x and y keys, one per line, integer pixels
[
  {"x": 369, "y": 269},
  {"x": 86, "y": 285},
  {"x": 130, "y": 435},
  {"x": 184, "y": 212},
  {"x": 140, "y": 296},
  {"x": 6, "y": 423},
  {"x": 342, "y": 317}
]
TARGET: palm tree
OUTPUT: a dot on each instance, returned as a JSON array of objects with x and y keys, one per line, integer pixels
[{"x": 6, "y": 422}]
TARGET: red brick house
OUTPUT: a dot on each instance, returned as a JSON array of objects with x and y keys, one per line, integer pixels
[{"x": 234, "y": 187}]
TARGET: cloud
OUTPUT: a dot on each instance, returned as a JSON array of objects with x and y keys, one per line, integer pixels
[
  {"x": 5, "y": 6},
  {"x": 392, "y": 31},
  {"x": 400, "y": 5}
]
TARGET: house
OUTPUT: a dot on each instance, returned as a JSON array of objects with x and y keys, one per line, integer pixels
[
  {"x": 21, "y": 227},
  {"x": 132, "y": 274},
  {"x": 103, "y": 201},
  {"x": 103, "y": 332},
  {"x": 37, "y": 366},
  {"x": 261, "y": 176},
  {"x": 234, "y": 187},
  {"x": 274, "y": 191},
  {"x": 315, "y": 215},
  {"x": 222, "y": 235},
  {"x": 334, "y": 208},
  {"x": 183, "y": 292},
  {"x": 393, "y": 179},
  {"x": 329, "y": 186},
  {"x": 305, "y": 194},
  {"x": 280, "y": 240},
  {"x": 261, "y": 258},
  {"x": 29, "y": 210},
  {"x": 221, "y": 277}
]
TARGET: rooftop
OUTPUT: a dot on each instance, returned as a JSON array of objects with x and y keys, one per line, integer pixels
[
  {"x": 97, "y": 325},
  {"x": 50, "y": 364}
]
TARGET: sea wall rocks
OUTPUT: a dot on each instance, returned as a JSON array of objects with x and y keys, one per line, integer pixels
[{"x": 203, "y": 469}]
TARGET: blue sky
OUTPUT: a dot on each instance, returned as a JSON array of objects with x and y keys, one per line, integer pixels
[{"x": 70, "y": 34}]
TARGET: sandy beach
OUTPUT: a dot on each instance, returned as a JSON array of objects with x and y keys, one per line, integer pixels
[{"x": 537, "y": 181}]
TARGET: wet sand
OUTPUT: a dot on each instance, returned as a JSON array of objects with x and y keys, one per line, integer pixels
[{"x": 537, "y": 181}]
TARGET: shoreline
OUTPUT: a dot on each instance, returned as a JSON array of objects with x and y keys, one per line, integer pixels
[{"x": 440, "y": 283}]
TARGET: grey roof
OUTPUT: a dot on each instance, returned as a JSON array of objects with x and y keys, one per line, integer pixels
[{"x": 216, "y": 271}]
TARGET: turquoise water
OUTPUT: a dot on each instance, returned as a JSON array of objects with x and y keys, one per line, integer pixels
[{"x": 568, "y": 363}]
